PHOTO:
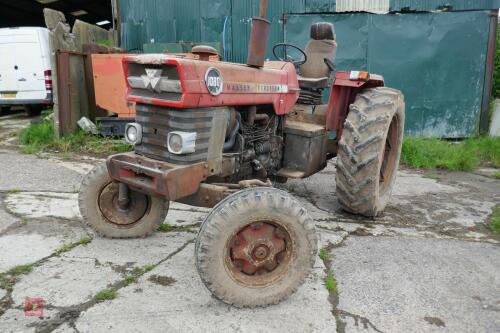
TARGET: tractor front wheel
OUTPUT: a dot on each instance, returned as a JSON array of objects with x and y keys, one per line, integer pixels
[
  {"x": 98, "y": 200},
  {"x": 369, "y": 151},
  {"x": 256, "y": 247}
]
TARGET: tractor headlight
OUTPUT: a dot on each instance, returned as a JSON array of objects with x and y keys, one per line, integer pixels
[
  {"x": 133, "y": 133},
  {"x": 180, "y": 143}
]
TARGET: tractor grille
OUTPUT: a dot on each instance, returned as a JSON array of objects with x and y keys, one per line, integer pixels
[
  {"x": 154, "y": 81},
  {"x": 158, "y": 121}
]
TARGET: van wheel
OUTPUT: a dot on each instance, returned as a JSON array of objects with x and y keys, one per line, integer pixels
[{"x": 33, "y": 110}]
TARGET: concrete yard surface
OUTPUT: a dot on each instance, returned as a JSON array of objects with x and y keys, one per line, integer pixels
[{"x": 428, "y": 264}]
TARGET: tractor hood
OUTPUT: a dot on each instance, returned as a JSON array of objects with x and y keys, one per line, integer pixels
[{"x": 189, "y": 83}]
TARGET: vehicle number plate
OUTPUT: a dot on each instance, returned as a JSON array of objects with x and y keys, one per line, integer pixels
[{"x": 9, "y": 95}]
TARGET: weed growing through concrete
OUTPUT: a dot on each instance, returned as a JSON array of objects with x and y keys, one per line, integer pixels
[
  {"x": 14, "y": 191},
  {"x": 85, "y": 241},
  {"x": 65, "y": 248},
  {"x": 331, "y": 283},
  {"x": 324, "y": 254},
  {"x": 70, "y": 246},
  {"x": 171, "y": 228},
  {"x": 137, "y": 272},
  {"x": 9, "y": 278},
  {"x": 130, "y": 279},
  {"x": 495, "y": 221},
  {"x": 40, "y": 137},
  {"x": 456, "y": 156},
  {"x": 105, "y": 295},
  {"x": 165, "y": 228},
  {"x": 148, "y": 268},
  {"x": 20, "y": 270}
]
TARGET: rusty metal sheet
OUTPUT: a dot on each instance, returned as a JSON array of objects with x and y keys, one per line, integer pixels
[
  {"x": 156, "y": 177},
  {"x": 72, "y": 91}
]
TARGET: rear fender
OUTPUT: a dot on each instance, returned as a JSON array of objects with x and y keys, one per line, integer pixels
[{"x": 342, "y": 95}]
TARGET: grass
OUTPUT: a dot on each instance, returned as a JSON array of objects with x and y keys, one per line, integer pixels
[
  {"x": 65, "y": 248},
  {"x": 495, "y": 221},
  {"x": 106, "y": 295},
  {"x": 105, "y": 42},
  {"x": 9, "y": 278},
  {"x": 331, "y": 283},
  {"x": 324, "y": 254},
  {"x": 441, "y": 154},
  {"x": 165, "y": 228},
  {"x": 170, "y": 228},
  {"x": 21, "y": 270},
  {"x": 130, "y": 279},
  {"x": 496, "y": 175},
  {"x": 40, "y": 137},
  {"x": 70, "y": 246},
  {"x": 148, "y": 268},
  {"x": 137, "y": 272}
]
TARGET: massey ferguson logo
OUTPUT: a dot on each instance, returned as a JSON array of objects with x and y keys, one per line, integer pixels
[
  {"x": 152, "y": 79},
  {"x": 214, "y": 81}
]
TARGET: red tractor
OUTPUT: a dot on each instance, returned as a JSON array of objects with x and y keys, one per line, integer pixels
[{"x": 218, "y": 134}]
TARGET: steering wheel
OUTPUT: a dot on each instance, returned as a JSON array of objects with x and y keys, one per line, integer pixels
[{"x": 289, "y": 58}]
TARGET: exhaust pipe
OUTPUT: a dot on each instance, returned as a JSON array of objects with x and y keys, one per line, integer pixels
[{"x": 259, "y": 38}]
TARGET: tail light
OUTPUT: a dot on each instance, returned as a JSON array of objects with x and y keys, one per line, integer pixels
[
  {"x": 359, "y": 76},
  {"x": 48, "y": 80}
]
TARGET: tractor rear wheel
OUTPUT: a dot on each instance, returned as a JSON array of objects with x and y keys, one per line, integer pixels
[
  {"x": 256, "y": 247},
  {"x": 369, "y": 151},
  {"x": 98, "y": 200}
]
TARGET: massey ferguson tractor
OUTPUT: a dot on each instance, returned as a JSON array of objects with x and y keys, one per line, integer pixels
[{"x": 218, "y": 134}]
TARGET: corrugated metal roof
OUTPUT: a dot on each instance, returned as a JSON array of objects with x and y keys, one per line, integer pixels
[
  {"x": 454, "y": 5},
  {"x": 372, "y": 6}
]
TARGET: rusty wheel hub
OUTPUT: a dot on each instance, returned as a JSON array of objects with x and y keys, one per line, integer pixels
[
  {"x": 259, "y": 249},
  {"x": 110, "y": 209}
]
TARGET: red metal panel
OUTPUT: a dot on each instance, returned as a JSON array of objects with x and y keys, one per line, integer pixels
[
  {"x": 344, "y": 91},
  {"x": 110, "y": 84},
  {"x": 275, "y": 84}
]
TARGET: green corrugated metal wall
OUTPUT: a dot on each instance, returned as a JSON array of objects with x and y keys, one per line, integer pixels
[
  {"x": 170, "y": 21},
  {"x": 437, "y": 60},
  {"x": 422, "y": 54},
  {"x": 167, "y": 21}
]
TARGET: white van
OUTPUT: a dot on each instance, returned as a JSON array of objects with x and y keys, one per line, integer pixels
[{"x": 25, "y": 69}]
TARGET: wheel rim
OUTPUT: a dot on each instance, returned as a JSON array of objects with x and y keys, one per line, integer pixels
[
  {"x": 108, "y": 204},
  {"x": 390, "y": 154},
  {"x": 259, "y": 253}
]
